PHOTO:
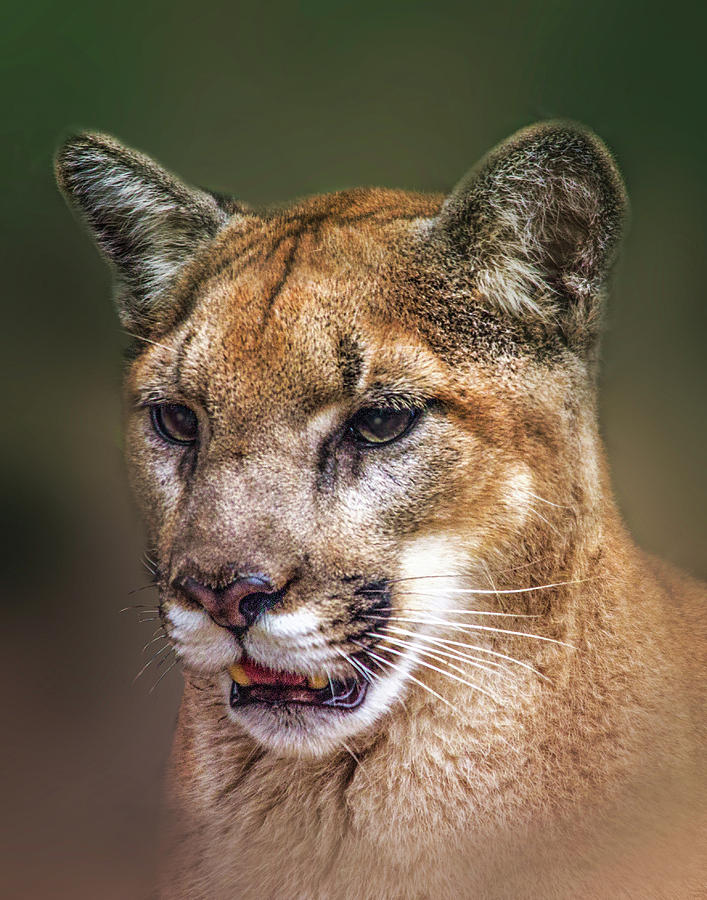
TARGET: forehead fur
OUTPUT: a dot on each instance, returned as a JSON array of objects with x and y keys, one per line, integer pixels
[
  {"x": 308, "y": 300},
  {"x": 350, "y": 234},
  {"x": 304, "y": 298}
]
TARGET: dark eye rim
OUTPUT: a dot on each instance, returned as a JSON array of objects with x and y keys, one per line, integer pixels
[
  {"x": 156, "y": 411},
  {"x": 415, "y": 415}
]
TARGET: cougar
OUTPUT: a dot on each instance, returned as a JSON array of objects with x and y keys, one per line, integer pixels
[{"x": 422, "y": 656}]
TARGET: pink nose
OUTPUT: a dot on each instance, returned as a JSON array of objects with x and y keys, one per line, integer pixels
[{"x": 235, "y": 606}]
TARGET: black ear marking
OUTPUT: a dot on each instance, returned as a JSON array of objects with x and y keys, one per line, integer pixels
[
  {"x": 538, "y": 223},
  {"x": 146, "y": 221}
]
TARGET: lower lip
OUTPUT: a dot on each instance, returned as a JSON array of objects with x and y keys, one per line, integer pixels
[{"x": 346, "y": 696}]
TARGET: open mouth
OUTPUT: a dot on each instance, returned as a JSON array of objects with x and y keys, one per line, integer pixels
[{"x": 253, "y": 683}]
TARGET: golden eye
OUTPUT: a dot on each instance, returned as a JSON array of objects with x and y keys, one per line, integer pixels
[
  {"x": 175, "y": 423},
  {"x": 381, "y": 425}
]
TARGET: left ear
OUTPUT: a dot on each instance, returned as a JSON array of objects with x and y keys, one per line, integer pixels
[
  {"x": 539, "y": 221},
  {"x": 147, "y": 222}
]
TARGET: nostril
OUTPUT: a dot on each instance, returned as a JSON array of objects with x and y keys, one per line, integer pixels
[
  {"x": 198, "y": 593},
  {"x": 252, "y": 605},
  {"x": 249, "y": 597}
]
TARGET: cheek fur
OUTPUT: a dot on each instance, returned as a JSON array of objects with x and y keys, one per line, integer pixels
[
  {"x": 429, "y": 572},
  {"x": 154, "y": 472},
  {"x": 393, "y": 491}
]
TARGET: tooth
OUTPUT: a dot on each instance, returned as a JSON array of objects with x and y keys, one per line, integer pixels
[
  {"x": 317, "y": 682},
  {"x": 237, "y": 673}
]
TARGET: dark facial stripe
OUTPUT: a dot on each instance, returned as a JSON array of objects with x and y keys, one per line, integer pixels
[
  {"x": 241, "y": 258},
  {"x": 350, "y": 360},
  {"x": 280, "y": 283}
]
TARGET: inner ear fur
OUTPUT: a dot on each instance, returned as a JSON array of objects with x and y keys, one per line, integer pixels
[
  {"x": 146, "y": 221},
  {"x": 537, "y": 223}
]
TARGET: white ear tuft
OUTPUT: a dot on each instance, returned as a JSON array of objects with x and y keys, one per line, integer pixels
[
  {"x": 146, "y": 221},
  {"x": 537, "y": 223}
]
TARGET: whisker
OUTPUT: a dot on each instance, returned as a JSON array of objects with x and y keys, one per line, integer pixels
[
  {"x": 139, "y": 337},
  {"x": 466, "y": 626},
  {"x": 427, "y": 665},
  {"x": 367, "y": 673},
  {"x": 453, "y": 654},
  {"x": 154, "y": 639},
  {"x": 144, "y": 587},
  {"x": 539, "y": 587},
  {"x": 446, "y": 642},
  {"x": 166, "y": 672},
  {"x": 152, "y": 659},
  {"x": 361, "y": 669},
  {"x": 149, "y": 565},
  {"x": 157, "y": 630},
  {"x": 376, "y": 676},
  {"x": 407, "y": 675},
  {"x": 532, "y": 509},
  {"x": 549, "y": 502},
  {"x": 424, "y": 578},
  {"x": 450, "y": 576},
  {"x": 352, "y": 662},
  {"x": 162, "y": 661},
  {"x": 463, "y": 681},
  {"x": 491, "y": 582},
  {"x": 448, "y": 654},
  {"x": 356, "y": 760},
  {"x": 474, "y": 612}
]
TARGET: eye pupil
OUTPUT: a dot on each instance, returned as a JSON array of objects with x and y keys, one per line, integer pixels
[
  {"x": 175, "y": 422},
  {"x": 381, "y": 425}
]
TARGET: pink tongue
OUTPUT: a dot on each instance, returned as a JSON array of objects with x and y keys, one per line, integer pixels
[{"x": 261, "y": 675}]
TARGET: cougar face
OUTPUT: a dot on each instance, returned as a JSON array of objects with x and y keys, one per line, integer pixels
[
  {"x": 300, "y": 465},
  {"x": 341, "y": 416}
]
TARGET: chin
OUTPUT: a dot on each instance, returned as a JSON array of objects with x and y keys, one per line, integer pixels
[
  {"x": 311, "y": 723},
  {"x": 285, "y": 686}
]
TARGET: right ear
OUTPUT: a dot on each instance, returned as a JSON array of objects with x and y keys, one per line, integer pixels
[{"x": 146, "y": 221}]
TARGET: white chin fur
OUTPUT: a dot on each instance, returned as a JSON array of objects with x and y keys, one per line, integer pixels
[{"x": 312, "y": 731}]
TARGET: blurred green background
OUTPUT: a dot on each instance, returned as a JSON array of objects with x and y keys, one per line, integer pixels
[{"x": 270, "y": 101}]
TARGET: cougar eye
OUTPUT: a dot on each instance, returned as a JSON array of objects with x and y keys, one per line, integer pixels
[
  {"x": 175, "y": 423},
  {"x": 381, "y": 425}
]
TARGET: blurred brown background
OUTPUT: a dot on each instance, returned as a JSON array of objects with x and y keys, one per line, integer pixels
[{"x": 270, "y": 101}]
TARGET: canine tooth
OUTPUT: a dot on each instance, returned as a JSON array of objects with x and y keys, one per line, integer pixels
[
  {"x": 237, "y": 673},
  {"x": 317, "y": 682}
]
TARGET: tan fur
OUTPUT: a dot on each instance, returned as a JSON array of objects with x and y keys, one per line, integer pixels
[{"x": 575, "y": 774}]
